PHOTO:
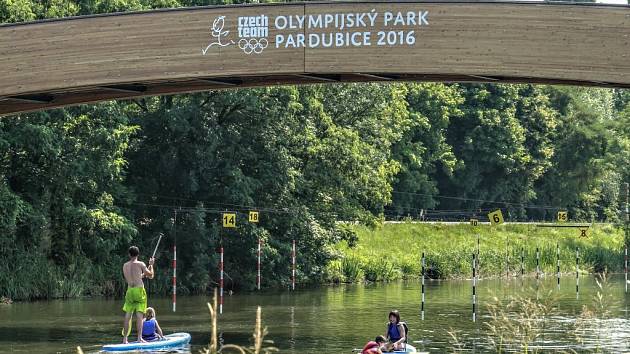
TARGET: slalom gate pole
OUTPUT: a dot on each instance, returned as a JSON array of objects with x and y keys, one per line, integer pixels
[
  {"x": 175, "y": 260},
  {"x": 522, "y": 262},
  {"x": 174, "y": 277},
  {"x": 507, "y": 258},
  {"x": 537, "y": 263},
  {"x": 422, "y": 303},
  {"x": 577, "y": 272},
  {"x": 221, "y": 282},
  {"x": 558, "y": 264},
  {"x": 293, "y": 267},
  {"x": 478, "y": 257},
  {"x": 474, "y": 289},
  {"x": 258, "y": 274}
]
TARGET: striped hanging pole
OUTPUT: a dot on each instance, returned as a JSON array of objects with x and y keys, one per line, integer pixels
[
  {"x": 175, "y": 260},
  {"x": 558, "y": 264},
  {"x": 474, "y": 289},
  {"x": 293, "y": 264},
  {"x": 174, "y": 277},
  {"x": 478, "y": 258},
  {"x": 522, "y": 262},
  {"x": 626, "y": 268},
  {"x": 577, "y": 272},
  {"x": 422, "y": 303},
  {"x": 507, "y": 257},
  {"x": 221, "y": 281},
  {"x": 258, "y": 267},
  {"x": 537, "y": 263}
]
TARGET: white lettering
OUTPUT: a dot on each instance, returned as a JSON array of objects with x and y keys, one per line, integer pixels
[
  {"x": 281, "y": 22},
  {"x": 400, "y": 20},
  {"x": 423, "y": 18},
  {"x": 300, "y": 20},
  {"x": 330, "y": 40},
  {"x": 350, "y": 21},
  {"x": 328, "y": 19},
  {"x": 339, "y": 39},
  {"x": 279, "y": 40},
  {"x": 366, "y": 38},
  {"x": 290, "y": 42},
  {"x": 313, "y": 40},
  {"x": 315, "y": 21},
  {"x": 360, "y": 21},
  {"x": 372, "y": 16},
  {"x": 411, "y": 18},
  {"x": 388, "y": 16},
  {"x": 356, "y": 42}
]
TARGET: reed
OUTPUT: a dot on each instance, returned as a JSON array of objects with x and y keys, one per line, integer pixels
[
  {"x": 518, "y": 324},
  {"x": 393, "y": 251},
  {"x": 259, "y": 342}
]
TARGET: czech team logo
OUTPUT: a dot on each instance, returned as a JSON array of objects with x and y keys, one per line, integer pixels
[{"x": 252, "y": 34}]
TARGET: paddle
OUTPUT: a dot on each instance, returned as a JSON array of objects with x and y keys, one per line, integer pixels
[
  {"x": 156, "y": 245},
  {"x": 130, "y": 318}
]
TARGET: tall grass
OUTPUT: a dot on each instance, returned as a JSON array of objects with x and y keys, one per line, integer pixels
[
  {"x": 258, "y": 336},
  {"x": 518, "y": 325},
  {"x": 393, "y": 251}
]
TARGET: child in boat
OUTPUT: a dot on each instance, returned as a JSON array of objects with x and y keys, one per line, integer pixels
[
  {"x": 374, "y": 347},
  {"x": 396, "y": 333},
  {"x": 150, "y": 328}
]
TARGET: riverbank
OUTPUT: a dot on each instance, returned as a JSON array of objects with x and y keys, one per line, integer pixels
[{"x": 393, "y": 251}]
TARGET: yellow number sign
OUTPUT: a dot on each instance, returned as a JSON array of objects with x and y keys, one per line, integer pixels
[
  {"x": 474, "y": 222},
  {"x": 496, "y": 217},
  {"x": 253, "y": 216},
  {"x": 229, "y": 220},
  {"x": 584, "y": 232},
  {"x": 562, "y": 216}
]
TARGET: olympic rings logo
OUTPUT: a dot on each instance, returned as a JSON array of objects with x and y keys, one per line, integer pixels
[{"x": 253, "y": 45}]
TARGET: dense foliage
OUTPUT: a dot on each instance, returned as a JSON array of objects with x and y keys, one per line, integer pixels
[{"x": 79, "y": 185}]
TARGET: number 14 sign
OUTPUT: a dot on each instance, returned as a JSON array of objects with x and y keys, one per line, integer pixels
[{"x": 229, "y": 220}]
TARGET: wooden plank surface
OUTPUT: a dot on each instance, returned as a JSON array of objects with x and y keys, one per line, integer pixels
[
  {"x": 132, "y": 48},
  {"x": 515, "y": 42},
  {"x": 519, "y": 40}
]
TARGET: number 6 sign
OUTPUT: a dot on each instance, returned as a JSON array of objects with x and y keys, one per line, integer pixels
[{"x": 496, "y": 217}]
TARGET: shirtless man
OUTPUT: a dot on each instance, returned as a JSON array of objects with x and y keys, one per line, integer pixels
[{"x": 136, "y": 296}]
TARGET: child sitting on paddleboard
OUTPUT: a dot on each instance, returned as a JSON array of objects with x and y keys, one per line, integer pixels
[
  {"x": 150, "y": 328},
  {"x": 396, "y": 332},
  {"x": 374, "y": 346}
]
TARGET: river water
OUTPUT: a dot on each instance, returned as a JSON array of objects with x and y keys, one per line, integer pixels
[{"x": 335, "y": 318}]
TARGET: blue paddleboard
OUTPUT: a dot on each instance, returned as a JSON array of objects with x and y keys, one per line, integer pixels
[{"x": 169, "y": 341}]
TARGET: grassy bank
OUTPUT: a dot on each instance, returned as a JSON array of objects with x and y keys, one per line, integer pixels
[{"x": 393, "y": 251}]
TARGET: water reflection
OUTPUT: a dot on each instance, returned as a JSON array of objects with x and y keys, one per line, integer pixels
[{"x": 336, "y": 318}]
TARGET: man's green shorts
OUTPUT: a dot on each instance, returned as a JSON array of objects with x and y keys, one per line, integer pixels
[{"x": 135, "y": 300}]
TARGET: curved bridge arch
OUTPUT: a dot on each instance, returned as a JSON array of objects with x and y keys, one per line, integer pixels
[{"x": 88, "y": 59}]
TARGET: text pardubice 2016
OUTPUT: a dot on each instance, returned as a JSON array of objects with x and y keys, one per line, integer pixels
[{"x": 350, "y": 29}]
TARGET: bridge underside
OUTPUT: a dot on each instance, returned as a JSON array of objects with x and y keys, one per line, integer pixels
[
  {"x": 122, "y": 56},
  {"x": 74, "y": 96}
]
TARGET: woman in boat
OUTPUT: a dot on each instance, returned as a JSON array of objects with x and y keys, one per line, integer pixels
[
  {"x": 374, "y": 346},
  {"x": 396, "y": 333},
  {"x": 150, "y": 328}
]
